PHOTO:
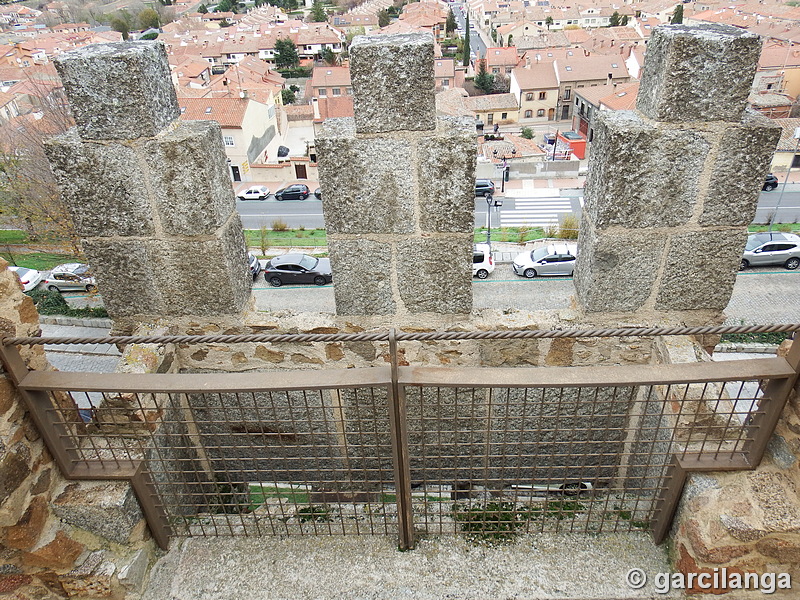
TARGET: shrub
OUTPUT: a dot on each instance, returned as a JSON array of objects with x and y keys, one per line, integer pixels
[
  {"x": 278, "y": 225},
  {"x": 568, "y": 229},
  {"x": 527, "y": 133},
  {"x": 53, "y": 303}
]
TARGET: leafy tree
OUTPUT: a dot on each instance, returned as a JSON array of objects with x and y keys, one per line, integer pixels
[
  {"x": 548, "y": 21},
  {"x": 318, "y": 14},
  {"x": 288, "y": 96},
  {"x": 120, "y": 25},
  {"x": 383, "y": 18},
  {"x": 226, "y": 6},
  {"x": 510, "y": 40},
  {"x": 148, "y": 19},
  {"x": 465, "y": 51},
  {"x": 484, "y": 80},
  {"x": 450, "y": 25},
  {"x": 329, "y": 56},
  {"x": 677, "y": 16},
  {"x": 202, "y": 9},
  {"x": 286, "y": 55},
  {"x": 624, "y": 20},
  {"x": 614, "y": 20},
  {"x": 149, "y": 36},
  {"x": 527, "y": 133}
]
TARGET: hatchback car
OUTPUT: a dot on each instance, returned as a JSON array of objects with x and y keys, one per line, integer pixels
[
  {"x": 484, "y": 187},
  {"x": 29, "y": 278},
  {"x": 770, "y": 183},
  {"x": 297, "y": 268},
  {"x": 70, "y": 277},
  {"x": 298, "y": 191},
  {"x": 482, "y": 262},
  {"x": 257, "y": 192},
  {"x": 253, "y": 264},
  {"x": 555, "y": 259},
  {"x": 772, "y": 248}
]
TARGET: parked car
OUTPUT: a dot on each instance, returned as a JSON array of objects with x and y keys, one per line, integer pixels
[
  {"x": 771, "y": 248},
  {"x": 770, "y": 183},
  {"x": 257, "y": 192},
  {"x": 297, "y": 191},
  {"x": 484, "y": 187},
  {"x": 482, "y": 262},
  {"x": 555, "y": 259},
  {"x": 318, "y": 193},
  {"x": 70, "y": 277},
  {"x": 29, "y": 278},
  {"x": 253, "y": 264},
  {"x": 297, "y": 268}
]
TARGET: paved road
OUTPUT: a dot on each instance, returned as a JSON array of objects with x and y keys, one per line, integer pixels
[
  {"x": 535, "y": 207},
  {"x": 760, "y": 296}
]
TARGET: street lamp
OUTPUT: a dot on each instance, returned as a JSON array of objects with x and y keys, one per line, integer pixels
[{"x": 506, "y": 168}]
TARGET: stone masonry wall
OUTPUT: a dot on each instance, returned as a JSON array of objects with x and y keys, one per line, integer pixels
[
  {"x": 150, "y": 195},
  {"x": 398, "y": 188},
  {"x": 57, "y": 538},
  {"x": 673, "y": 185}
]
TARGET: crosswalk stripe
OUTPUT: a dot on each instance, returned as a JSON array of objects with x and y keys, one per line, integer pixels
[{"x": 535, "y": 212}]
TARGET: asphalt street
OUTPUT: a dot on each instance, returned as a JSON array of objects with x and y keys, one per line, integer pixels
[
  {"x": 535, "y": 207},
  {"x": 760, "y": 296}
]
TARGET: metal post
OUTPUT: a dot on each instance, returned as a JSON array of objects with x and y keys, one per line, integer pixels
[
  {"x": 489, "y": 202},
  {"x": 503, "y": 177},
  {"x": 400, "y": 458}
]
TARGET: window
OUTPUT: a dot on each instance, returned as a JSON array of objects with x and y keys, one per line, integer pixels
[
  {"x": 528, "y": 114},
  {"x": 445, "y": 82},
  {"x": 542, "y": 95},
  {"x": 567, "y": 93},
  {"x": 495, "y": 69},
  {"x": 228, "y": 139},
  {"x": 322, "y": 92},
  {"x": 529, "y": 96},
  {"x": 336, "y": 91},
  {"x": 540, "y": 112},
  {"x": 490, "y": 119},
  {"x": 503, "y": 115}
]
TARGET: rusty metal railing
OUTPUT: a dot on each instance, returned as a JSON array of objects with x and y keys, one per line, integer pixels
[{"x": 485, "y": 452}]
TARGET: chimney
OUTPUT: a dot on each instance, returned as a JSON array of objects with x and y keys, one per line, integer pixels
[
  {"x": 527, "y": 62},
  {"x": 315, "y": 106}
]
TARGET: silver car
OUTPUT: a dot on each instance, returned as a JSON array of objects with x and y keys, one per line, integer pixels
[
  {"x": 69, "y": 277},
  {"x": 771, "y": 248},
  {"x": 555, "y": 259}
]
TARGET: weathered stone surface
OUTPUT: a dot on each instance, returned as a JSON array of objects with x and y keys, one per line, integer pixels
[
  {"x": 26, "y": 532},
  {"x": 422, "y": 280},
  {"x": 707, "y": 549},
  {"x": 58, "y": 554},
  {"x": 374, "y": 193},
  {"x": 102, "y": 185},
  {"x": 14, "y": 468},
  {"x": 393, "y": 82},
  {"x": 781, "y": 452},
  {"x": 784, "y": 548},
  {"x": 173, "y": 276},
  {"x": 363, "y": 286},
  {"x": 510, "y": 353},
  {"x": 124, "y": 271},
  {"x": 191, "y": 187},
  {"x": 119, "y": 91},
  {"x": 109, "y": 510},
  {"x": 742, "y": 529},
  {"x": 698, "y": 73},
  {"x": 446, "y": 177},
  {"x": 642, "y": 175},
  {"x": 133, "y": 570},
  {"x": 744, "y": 155},
  {"x": 688, "y": 281},
  {"x": 774, "y": 493},
  {"x": 616, "y": 272}
]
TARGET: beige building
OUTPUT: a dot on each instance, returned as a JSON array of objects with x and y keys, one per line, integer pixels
[
  {"x": 535, "y": 88},
  {"x": 493, "y": 109}
]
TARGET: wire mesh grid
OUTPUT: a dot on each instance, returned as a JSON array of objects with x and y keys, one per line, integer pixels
[
  {"x": 492, "y": 462},
  {"x": 484, "y": 461}
]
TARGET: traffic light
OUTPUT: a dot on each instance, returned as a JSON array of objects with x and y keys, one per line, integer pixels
[{"x": 505, "y": 173}]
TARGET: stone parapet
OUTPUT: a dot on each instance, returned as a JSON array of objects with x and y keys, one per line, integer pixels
[{"x": 119, "y": 91}]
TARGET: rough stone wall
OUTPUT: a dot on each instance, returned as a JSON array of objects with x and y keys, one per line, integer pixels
[
  {"x": 398, "y": 188},
  {"x": 747, "y": 521},
  {"x": 57, "y": 538},
  {"x": 673, "y": 185},
  {"x": 150, "y": 195}
]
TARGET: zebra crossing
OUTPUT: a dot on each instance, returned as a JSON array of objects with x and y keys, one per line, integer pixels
[{"x": 535, "y": 212}]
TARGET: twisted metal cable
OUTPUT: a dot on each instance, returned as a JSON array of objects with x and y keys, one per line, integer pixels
[{"x": 383, "y": 336}]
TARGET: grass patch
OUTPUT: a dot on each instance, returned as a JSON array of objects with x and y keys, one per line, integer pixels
[
  {"x": 784, "y": 227},
  {"x": 775, "y": 337},
  {"x": 41, "y": 261},
  {"x": 287, "y": 237},
  {"x": 495, "y": 522},
  {"x": 519, "y": 235},
  {"x": 314, "y": 513},
  {"x": 627, "y": 515},
  {"x": 260, "y": 494}
]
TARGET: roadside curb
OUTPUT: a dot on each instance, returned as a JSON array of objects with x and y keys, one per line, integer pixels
[
  {"x": 746, "y": 348},
  {"x": 74, "y": 321}
]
